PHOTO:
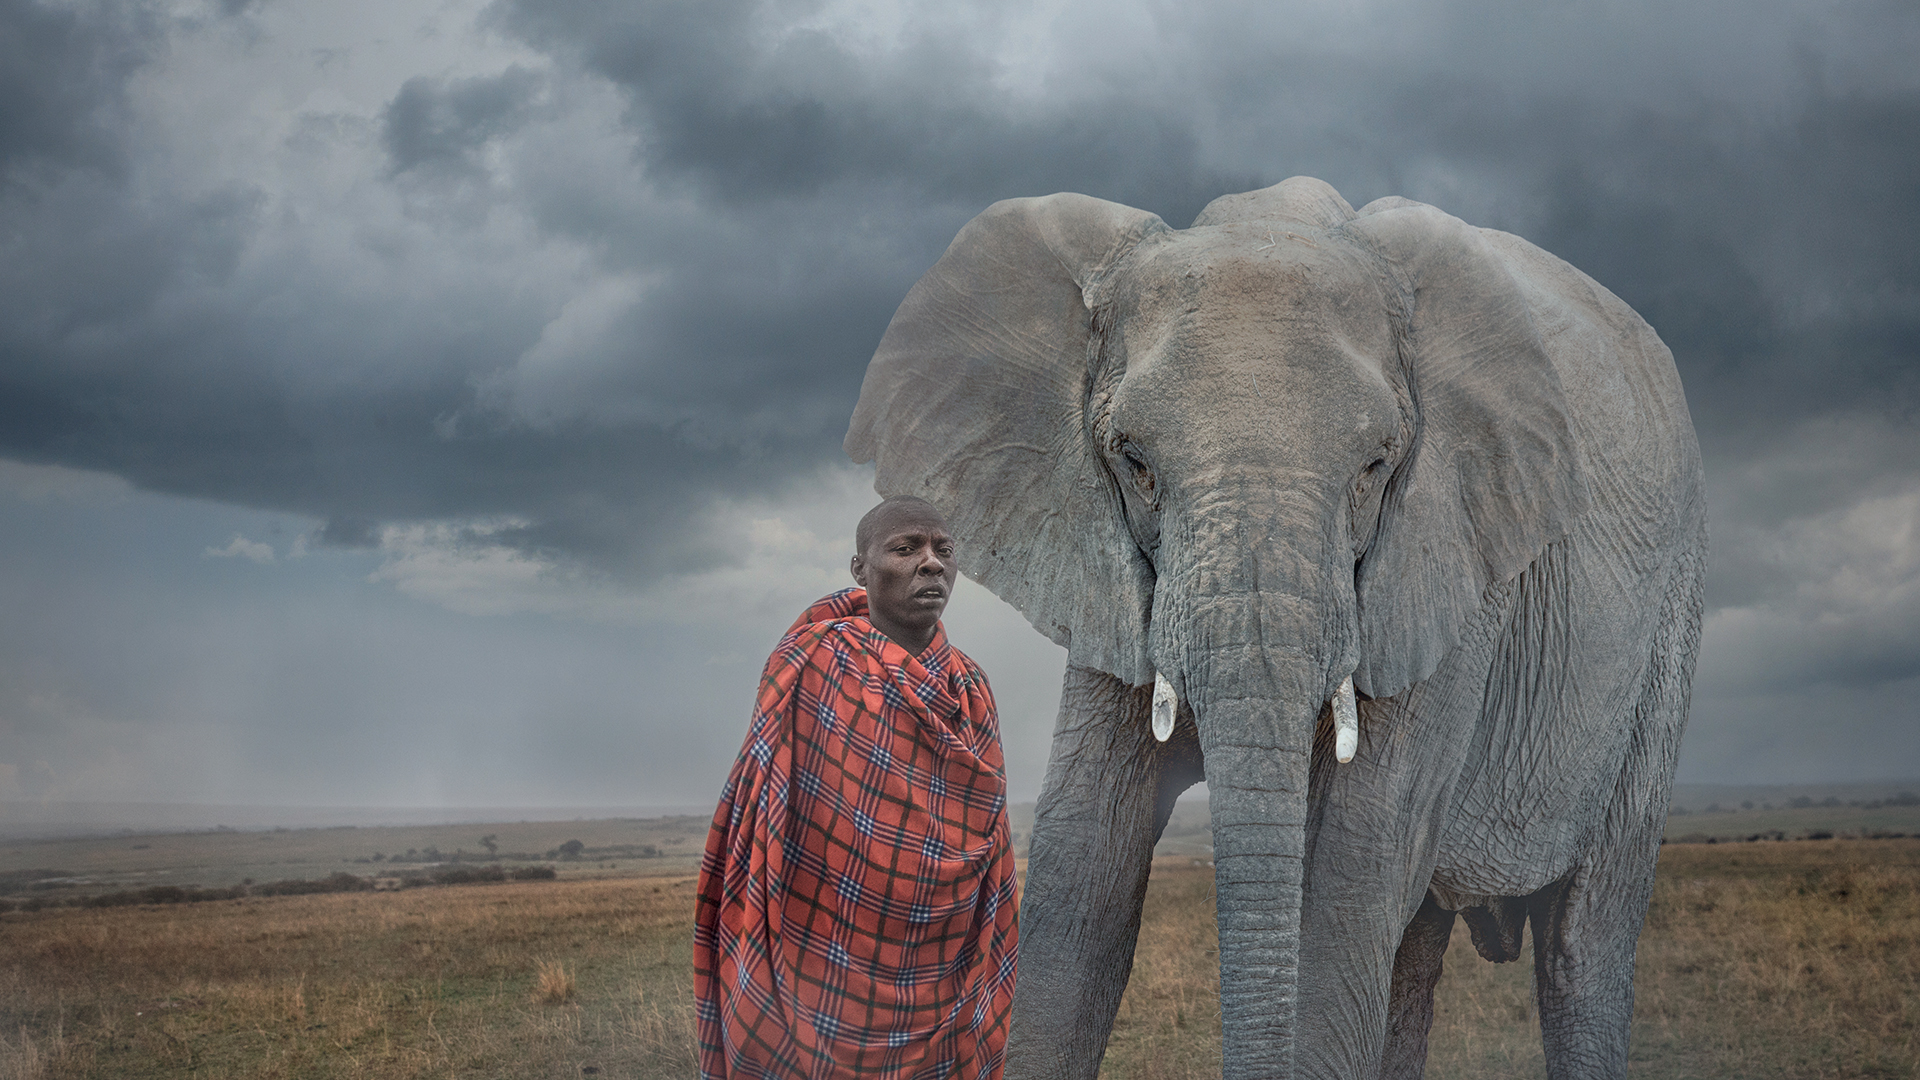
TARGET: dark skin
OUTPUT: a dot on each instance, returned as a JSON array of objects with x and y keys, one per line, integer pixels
[{"x": 908, "y": 570}]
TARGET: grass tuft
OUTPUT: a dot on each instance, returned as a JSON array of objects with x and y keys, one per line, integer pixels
[{"x": 553, "y": 983}]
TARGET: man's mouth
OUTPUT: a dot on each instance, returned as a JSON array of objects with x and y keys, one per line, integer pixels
[{"x": 933, "y": 592}]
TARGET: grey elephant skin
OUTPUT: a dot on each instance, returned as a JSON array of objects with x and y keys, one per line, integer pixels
[{"x": 1290, "y": 445}]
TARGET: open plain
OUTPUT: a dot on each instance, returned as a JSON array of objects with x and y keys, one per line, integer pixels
[{"x": 1760, "y": 959}]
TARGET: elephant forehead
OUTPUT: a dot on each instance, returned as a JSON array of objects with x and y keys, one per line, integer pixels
[
  {"x": 1238, "y": 347},
  {"x": 1225, "y": 296}
]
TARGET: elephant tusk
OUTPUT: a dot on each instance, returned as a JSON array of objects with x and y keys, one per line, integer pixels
[
  {"x": 1346, "y": 722},
  {"x": 1164, "y": 704}
]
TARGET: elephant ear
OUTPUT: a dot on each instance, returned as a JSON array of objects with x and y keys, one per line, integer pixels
[
  {"x": 1492, "y": 476},
  {"x": 976, "y": 401}
]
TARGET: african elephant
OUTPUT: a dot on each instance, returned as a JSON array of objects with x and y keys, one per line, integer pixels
[{"x": 1291, "y": 446}]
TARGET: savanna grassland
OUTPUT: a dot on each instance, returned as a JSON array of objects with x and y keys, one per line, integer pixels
[
  {"x": 1760, "y": 960},
  {"x": 523, "y": 979}
]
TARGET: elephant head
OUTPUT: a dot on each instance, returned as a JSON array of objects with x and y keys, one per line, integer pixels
[{"x": 1285, "y": 447}]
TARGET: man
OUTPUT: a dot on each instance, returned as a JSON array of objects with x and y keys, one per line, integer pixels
[{"x": 856, "y": 906}]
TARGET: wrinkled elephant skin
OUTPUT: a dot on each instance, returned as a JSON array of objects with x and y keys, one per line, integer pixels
[{"x": 1289, "y": 461}]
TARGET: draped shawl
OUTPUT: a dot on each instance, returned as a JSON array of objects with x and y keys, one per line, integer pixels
[{"x": 856, "y": 912}]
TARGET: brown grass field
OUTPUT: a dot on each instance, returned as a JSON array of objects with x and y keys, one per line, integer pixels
[{"x": 1760, "y": 960}]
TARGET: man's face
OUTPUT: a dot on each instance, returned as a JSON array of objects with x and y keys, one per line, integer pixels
[{"x": 908, "y": 571}]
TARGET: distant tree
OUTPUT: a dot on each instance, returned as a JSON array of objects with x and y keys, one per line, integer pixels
[
  {"x": 571, "y": 849},
  {"x": 491, "y": 842},
  {"x": 1746, "y": 804}
]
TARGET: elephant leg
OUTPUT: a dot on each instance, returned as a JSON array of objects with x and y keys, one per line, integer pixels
[
  {"x": 1374, "y": 832},
  {"x": 1416, "y": 969},
  {"x": 1584, "y": 933},
  {"x": 1586, "y": 926},
  {"x": 1109, "y": 790}
]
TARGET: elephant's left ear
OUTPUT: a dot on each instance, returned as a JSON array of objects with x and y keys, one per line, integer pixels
[
  {"x": 1493, "y": 475},
  {"x": 976, "y": 401}
]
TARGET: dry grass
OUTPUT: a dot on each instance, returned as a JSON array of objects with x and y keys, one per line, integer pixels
[
  {"x": 553, "y": 983},
  {"x": 1759, "y": 961},
  {"x": 1768, "y": 960},
  {"x": 430, "y": 982}
]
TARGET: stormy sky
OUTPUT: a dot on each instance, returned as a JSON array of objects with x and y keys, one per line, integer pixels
[{"x": 439, "y": 402}]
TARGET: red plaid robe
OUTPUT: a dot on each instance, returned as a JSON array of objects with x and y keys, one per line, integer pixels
[{"x": 856, "y": 904}]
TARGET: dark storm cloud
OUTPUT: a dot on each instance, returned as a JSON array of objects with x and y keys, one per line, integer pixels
[
  {"x": 805, "y": 117},
  {"x": 63, "y": 74},
  {"x": 444, "y": 123},
  {"x": 773, "y": 189}
]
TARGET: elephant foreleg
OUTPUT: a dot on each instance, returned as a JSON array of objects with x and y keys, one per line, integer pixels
[
  {"x": 1109, "y": 789},
  {"x": 1416, "y": 968}
]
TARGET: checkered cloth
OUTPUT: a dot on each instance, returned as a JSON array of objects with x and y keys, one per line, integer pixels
[{"x": 856, "y": 907}]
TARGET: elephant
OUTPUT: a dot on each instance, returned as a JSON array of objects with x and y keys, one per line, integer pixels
[{"x": 1405, "y": 519}]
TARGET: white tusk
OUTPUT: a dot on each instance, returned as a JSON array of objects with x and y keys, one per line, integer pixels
[
  {"x": 1346, "y": 722},
  {"x": 1164, "y": 704}
]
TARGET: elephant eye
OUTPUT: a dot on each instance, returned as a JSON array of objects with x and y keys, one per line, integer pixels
[
  {"x": 1142, "y": 477},
  {"x": 1143, "y": 480},
  {"x": 1365, "y": 507}
]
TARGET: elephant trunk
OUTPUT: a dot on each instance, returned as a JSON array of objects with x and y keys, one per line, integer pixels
[
  {"x": 1257, "y": 752},
  {"x": 1262, "y": 638}
]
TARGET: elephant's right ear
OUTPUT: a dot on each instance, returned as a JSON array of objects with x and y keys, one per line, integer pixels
[{"x": 976, "y": 401}]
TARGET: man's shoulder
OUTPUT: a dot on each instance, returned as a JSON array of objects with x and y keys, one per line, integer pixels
[
  {"x": 964, "y": 662},
  {"x": 807, "y": 643}
]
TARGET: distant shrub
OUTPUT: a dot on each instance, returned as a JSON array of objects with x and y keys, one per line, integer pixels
[
  {"x": 1820, "y": 835},
  {"x": 338, "y": 881},
  {"x": 162, "y": 894},
  {"x": 534, "y": 873},
  {"x": 466, "y": 875}
]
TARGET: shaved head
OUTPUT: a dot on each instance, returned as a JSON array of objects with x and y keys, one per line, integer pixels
[
  {"x": 900, "y": 508},
  {"x": 906, "y": 564}
]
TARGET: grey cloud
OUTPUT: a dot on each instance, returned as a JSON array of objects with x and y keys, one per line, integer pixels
[
  {"x": 350, "y": 532},
  {"x": 443, "y": 123},
  {"x": 63, "y": 74},
  {"x": 772, "y": 191},
  {"x": 806, "y": 118}
]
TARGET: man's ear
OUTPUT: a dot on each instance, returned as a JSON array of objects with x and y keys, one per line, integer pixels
[{"x": 858, "y": 568}]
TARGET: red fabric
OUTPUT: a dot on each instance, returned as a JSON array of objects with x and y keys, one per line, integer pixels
[{"x": 856, "y": 904}]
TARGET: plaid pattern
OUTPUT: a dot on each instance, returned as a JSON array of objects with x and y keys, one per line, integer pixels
[{"x": 856, "y": 904}]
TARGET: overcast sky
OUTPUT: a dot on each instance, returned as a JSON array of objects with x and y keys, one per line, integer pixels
[{"x": 439, "y": 402}]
